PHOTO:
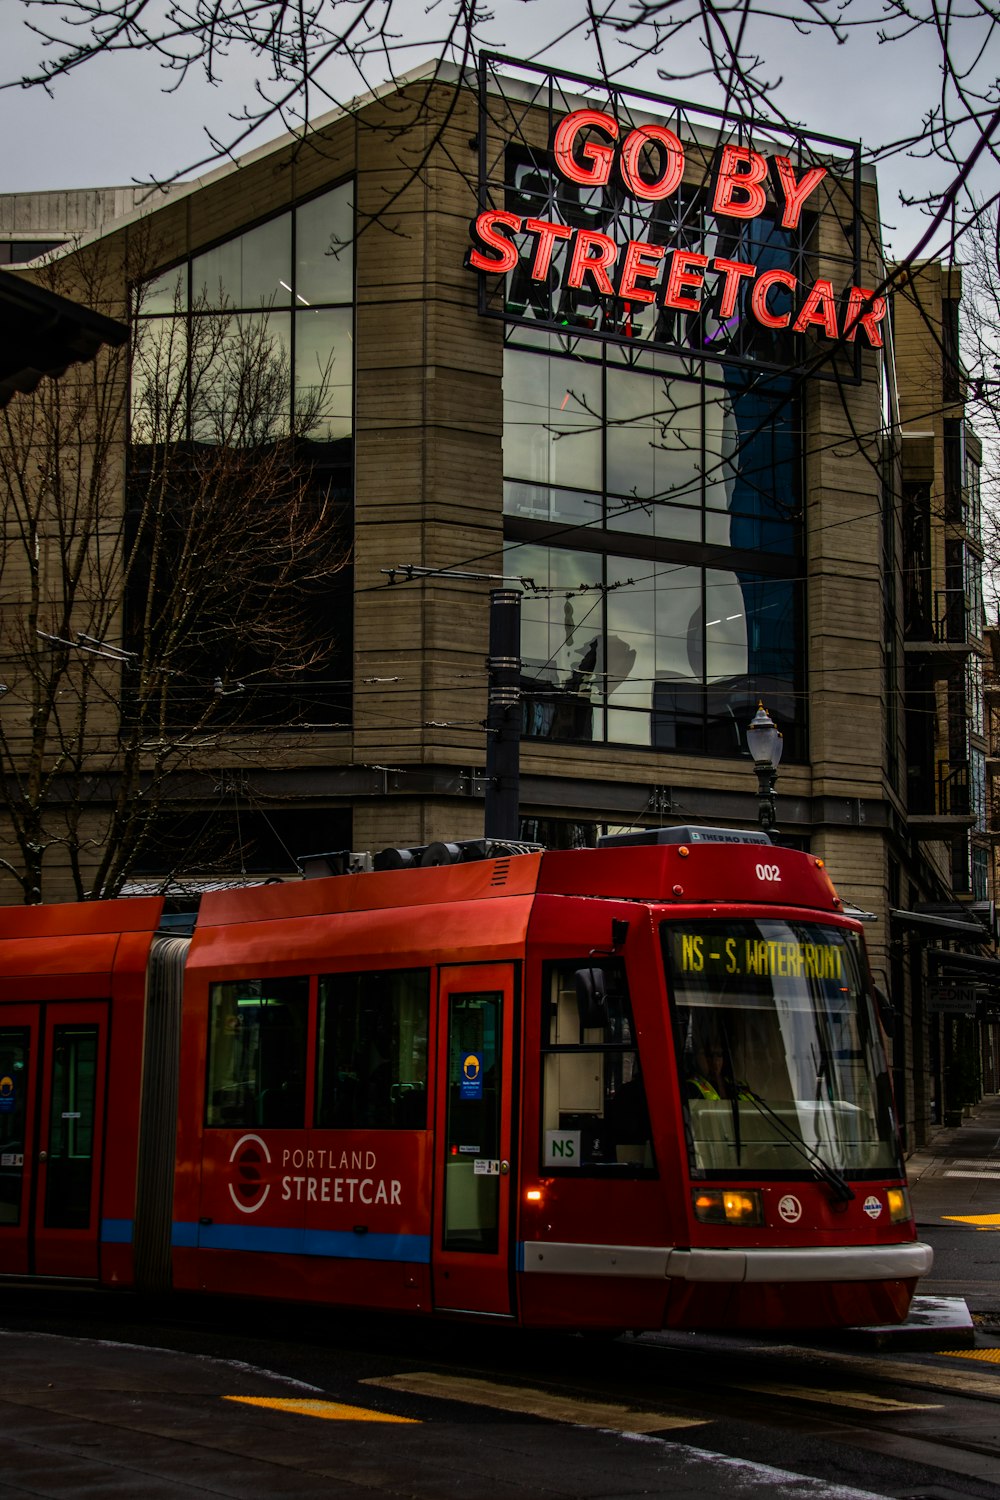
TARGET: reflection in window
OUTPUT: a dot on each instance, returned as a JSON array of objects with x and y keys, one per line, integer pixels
[
  {"x": 239, "y": 374},
  {"x": 660, "y": 647},
  {"x": 253, "y": 270},
  {"x": 324, "y": 372},
  {"x": 372, "y": 1051},
  {"x": 653, "y": 654},
  {"x": 324, "y": 248},
  {"x": 552, "y": 421},
  {"x": 654, "y": 441},
  {"x": 562, "y": 643},
  {"x": 257, "y": 1053},
  {"x": 243, "y": 365},
  {"x": 594, "y": 1114}
]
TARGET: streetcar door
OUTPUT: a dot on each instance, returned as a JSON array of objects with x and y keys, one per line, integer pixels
[
  {"x": 18, "y": 1067},
  {"x": 52, "y": 1064},
  {"x": 471, "y": 1259}
]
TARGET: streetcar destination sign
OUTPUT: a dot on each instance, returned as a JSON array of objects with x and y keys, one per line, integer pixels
[{"x": 696, "y": 954}]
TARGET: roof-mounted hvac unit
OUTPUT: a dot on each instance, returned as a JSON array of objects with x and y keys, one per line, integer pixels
[
  {"x": 685, "y": 835},
  {"x": 462, "y": 852},
  {"x": 420, "y": 856}
]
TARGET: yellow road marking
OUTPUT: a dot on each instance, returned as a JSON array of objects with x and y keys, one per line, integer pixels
[
  {"x": 534, "y": 1403},
  {"x": 990, "y": 1356},
  {"x": 330, "y": 1411},
  {"x": 978, "y": 1221},
  {"x": 860, "y": 1400}
]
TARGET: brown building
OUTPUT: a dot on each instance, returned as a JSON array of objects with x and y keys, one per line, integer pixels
[{"x": 690, "y": 474}]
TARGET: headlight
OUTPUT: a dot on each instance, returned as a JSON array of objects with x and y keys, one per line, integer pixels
[
  {"x": 899, "y": 1205},
  {"x": 723, "y": 1206}
]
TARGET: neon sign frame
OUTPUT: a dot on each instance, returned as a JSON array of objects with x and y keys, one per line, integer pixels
[{"x": 625, "y": 217}]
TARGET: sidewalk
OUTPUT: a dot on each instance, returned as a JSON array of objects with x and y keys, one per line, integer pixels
[
  {"x": 955, "y": 1191},
  {"x": 957, "y": 1174}
]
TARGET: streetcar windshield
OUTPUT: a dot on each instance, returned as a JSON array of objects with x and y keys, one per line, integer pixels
[{"x": 780, "y": 1060}]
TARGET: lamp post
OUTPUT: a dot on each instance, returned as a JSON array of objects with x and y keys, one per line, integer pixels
[{"x": 765, "y": 745}]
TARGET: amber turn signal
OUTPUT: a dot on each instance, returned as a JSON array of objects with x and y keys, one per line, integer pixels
[
  {"x": 898, "y": 1200},
  {"x": 723, "y": 1206}
]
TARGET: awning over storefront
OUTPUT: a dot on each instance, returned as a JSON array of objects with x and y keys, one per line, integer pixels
[
  {"x": 965, "y": 963},
  {"x": 42, "y": 334},
  {"x": 954, "y": 928}
]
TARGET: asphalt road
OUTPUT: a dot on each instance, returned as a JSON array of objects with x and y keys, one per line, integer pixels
[{"x": 100, "y": 1397}]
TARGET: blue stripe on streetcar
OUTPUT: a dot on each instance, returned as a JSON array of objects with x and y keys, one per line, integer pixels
[
  {"x": 340, "y": 1244},
  {"x": 116, "y": 1231}
]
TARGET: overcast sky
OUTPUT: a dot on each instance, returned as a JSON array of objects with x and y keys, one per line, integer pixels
[{"x": 114, "y": 122}]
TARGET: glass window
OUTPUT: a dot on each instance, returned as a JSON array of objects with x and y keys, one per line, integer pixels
[
  {"x": 372, "y": 1050},
  {"x": 14, "y": 1047},
  {"x": 240, "y": 379},
  {"x": 778, "y": 1053},
  {"x": 324, "y": 248},
  {"x": 257, "y": 1053},
  {"x": 553, "y": 420},
  {"x": 324, "y": 372},
  {"x": 70, "y": 1172},
  {"x": 253, "y": 270},
  {"x": 594, "y": 1114},
  {"x": 562, "y": 642},
  {"x": 166, "y": 293},
  {"x": 654, "y": 637},
  {"x": 654, "y": 441},
  {"x": 159, "y": 396},
  {"x": 474, "y": 1105},
  {"x": 693, "y": 453},
  {"x": 542, "y": 503}
]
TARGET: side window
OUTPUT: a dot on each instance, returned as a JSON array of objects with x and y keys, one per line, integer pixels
[
  {"x": 372, "y": 1050},
  {"x": 257, "y": 1053},
  {"x": 594, "y": 1115}
]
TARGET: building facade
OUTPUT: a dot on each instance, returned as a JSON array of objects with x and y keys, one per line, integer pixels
[{"x": 656, "y": 391}]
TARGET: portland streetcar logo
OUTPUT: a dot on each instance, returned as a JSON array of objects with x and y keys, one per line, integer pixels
[
  {"x": 790, "y": 1209},
  {"x": 249, "y": 1191}
]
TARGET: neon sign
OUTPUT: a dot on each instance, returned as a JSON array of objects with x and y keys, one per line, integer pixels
[{"x": 618, "y": 228}]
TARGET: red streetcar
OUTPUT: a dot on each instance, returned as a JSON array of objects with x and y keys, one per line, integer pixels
[{"x": 639, "y": 1086}]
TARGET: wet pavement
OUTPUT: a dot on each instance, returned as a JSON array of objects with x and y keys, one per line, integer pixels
[
  {"x": 97, "y": 1419},
  {"x": 955, "y": 1191}
]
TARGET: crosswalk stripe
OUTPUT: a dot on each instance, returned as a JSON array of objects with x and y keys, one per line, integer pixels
[
  {"x": 978, "y": 1221},
  {"x": 859, "y": 1400},
  {"x": 534, "y": 1403},
  {"x": 330, "y": 1411}
]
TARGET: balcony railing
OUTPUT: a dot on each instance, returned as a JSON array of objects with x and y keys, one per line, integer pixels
[
  {"x": 953, "y": 789},
  {"x": 951, "y": 616},
  {"x": 949, "y": 795}
]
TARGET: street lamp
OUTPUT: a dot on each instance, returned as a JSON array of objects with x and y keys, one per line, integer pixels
[{"x": 765, "y": 745}]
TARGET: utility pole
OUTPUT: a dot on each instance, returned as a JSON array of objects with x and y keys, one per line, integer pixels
[{"x": 503, "y": 716}]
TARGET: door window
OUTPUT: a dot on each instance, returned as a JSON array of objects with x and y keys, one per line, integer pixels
[
  {"x": 472, "y": 1146},
  {"x": 69, "y": 1175},
  {"x": 13, "y": 1088}
]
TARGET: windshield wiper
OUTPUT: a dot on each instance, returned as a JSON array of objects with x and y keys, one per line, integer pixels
[{"x": 839, "y": 1187}]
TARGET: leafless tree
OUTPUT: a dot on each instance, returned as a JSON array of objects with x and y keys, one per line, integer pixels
[
  {"x": 313, "y": 55},
  {"x": 157, "y": 609}
]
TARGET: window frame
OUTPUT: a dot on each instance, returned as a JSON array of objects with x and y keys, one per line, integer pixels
[{"x": 606, "y": 1171}]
